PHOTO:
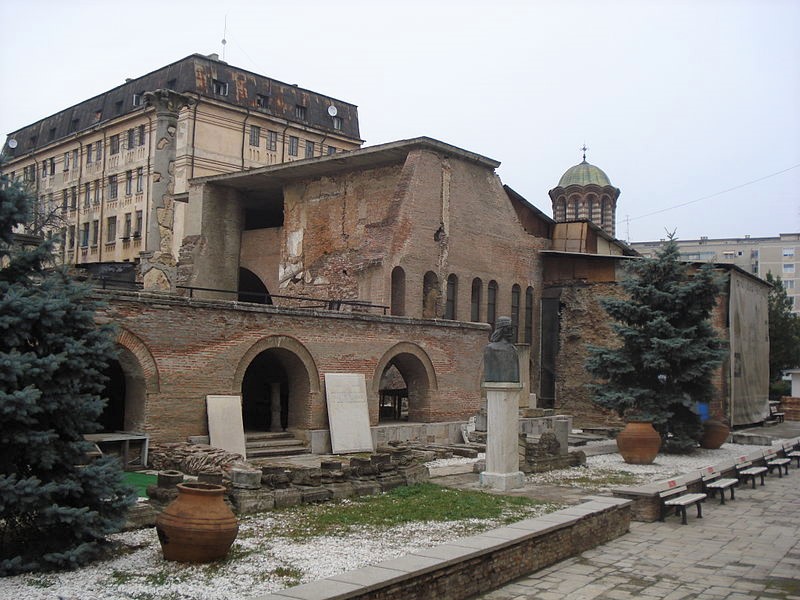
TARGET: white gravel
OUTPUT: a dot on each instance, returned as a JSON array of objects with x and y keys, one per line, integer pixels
[{"x": 262, "y": 563}]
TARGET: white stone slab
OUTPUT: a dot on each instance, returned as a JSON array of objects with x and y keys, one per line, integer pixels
[
  {"x": 348, "y": 415},
  {"x": 225, "y": 427}
]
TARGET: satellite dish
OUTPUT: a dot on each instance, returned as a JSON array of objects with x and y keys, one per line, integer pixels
[
  {"x": 332, "y": 110},
  {"x": 12, "y": 143}
]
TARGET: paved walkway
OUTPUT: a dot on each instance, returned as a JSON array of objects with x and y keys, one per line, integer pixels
[{"x": 749, "y": 548}]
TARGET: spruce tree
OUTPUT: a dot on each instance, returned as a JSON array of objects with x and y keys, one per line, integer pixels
[
  {"x": 668, "y": 350},
  {"x": 55, "y": 508}
]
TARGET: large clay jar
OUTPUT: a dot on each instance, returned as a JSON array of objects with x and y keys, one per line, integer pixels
[
  {"x": 715, "y": 433},
  {"x": 197, "y": 526},
  {"x": 638, "y": 443}
]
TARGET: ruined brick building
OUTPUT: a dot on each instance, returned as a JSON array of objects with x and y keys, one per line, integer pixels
[{"x": 259, "y": 277}]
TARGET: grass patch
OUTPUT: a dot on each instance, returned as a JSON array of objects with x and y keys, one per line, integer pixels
[
  {"x": 140, "y": 481},
  {"x": 423, "y": 502}
]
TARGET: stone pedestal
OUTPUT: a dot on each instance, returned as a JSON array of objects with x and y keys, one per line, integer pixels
[
  {"x": 561, "y": 430},
  {"x": 502, "y": 458}
]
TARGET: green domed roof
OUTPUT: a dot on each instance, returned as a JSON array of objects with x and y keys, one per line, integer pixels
[{"x": 584, "y": 174}]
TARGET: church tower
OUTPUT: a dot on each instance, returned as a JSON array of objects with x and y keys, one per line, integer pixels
[{"x": 585, "y": 193}]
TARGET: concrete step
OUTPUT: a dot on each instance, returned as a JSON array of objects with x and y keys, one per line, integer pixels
[
  {"x": 268, "y": 435},
  {"x": 280, "y": 451},
  {"x": 271, "y": 443}
]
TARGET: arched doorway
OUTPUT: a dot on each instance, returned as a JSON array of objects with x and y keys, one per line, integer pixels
[
  {"x": 251, "y": 288},
  {"x": 275, "y": 391},
  {"x": 404, "y": 381},
  {"x": 125, "y": 392}
]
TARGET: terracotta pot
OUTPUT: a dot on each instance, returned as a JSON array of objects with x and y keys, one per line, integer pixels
[
  {"x": 715, "y": 433},
  {"x": 197, "y": 526},
  {"x": 638, "y": 443}
]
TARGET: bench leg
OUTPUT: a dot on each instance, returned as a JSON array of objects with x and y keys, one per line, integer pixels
[
  {"x": 786, "y": 466},
  {"x": 762, "y": 480},
  {"x": 721, "y": 496},
  {"x": 699, "y": 510},
  {"x": 733, "y": 486},
  {"x": 682, "y": 510}
]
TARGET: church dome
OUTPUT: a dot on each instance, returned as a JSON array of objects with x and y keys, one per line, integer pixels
[{"x": 584, "y": 174}]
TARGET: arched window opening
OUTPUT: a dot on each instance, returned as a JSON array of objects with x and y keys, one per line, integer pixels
[
  {"x": 491, "y": 303},
  {"x": 430, "y": 296},
  {"x": 516, "y": 292},
  {"x": 590, "y": 208},
  {"x": 398, "y": 291},
  {"x": 576, "y": 203},
  {"x": 603, "y": 207},
  {"x": 251, "y": 288},
  {"x": 528, "y": 315},
  {"x": 475, "y": 310},
  {"x": 452, "y": 297}
]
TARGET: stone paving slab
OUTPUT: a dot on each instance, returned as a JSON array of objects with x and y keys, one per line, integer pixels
[{"x": 748, "y": 548}]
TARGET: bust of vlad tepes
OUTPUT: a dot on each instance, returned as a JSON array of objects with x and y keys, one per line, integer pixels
[{"x": 500, "y": 360}]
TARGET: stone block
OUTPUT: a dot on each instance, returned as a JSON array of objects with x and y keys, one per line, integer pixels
[
  {"x": 340, "y": 491},
  {"x": 246, "y": 479},
  {"x": 366, "y": 487},
  {"x": 308, "y": 476},
  {"x": 287, "y": 497},
  {"x": 140, "y": 515},
  {"x": 315, "y": 495},
  {"x": 415, "y": 474},
  {"x": 389, "y": 482},
  {"x": 246, "y": 501}
]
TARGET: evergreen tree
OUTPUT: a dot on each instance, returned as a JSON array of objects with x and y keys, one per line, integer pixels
[
  {"x": 668, "y": 350},
  {"x": 784, "y": 331},
  {"x": 55, "y": 510}
]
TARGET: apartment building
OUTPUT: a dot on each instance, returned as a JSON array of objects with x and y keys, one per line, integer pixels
[
  {"x": 778, "y": 255},
  {"x": 113, "y": 167}
]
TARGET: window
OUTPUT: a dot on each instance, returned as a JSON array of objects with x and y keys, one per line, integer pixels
[
  {"x": 142, "y": 134},
  {"x": 118, "y": 107},
  {"x": 71, "y": 236},
  {"x": 491, "y": 304},
  {"x": 111, "y": 230},
  {"x": 44, "y": 168},
  {"x": 272, "y": 140},
  {"x": 219, "y": 88},
  {"x": 788, "y": 252},
  {"x": 126, "y": 232},
  {"x": 64, "y": 200},
  {"x": 262, "y": 101},
  {"x": 128, "y": 183},
  {"x": 788, "y": 284},
  {"x": 97, "y": 189},
  {"x": 114, "y": 143},
  {"x": 337, "y": 123},
  {"x": 309, "y": 149},
  {"x": 52, "y": 134},
  {"x": 430, "y": 296},
  {"x": 87, "y": 194},
  {"x": 73, "y": 126},
  {"x": 475, "y": 311},
  {"x": 139, "y": 180},
  {"x": 172, "y": 83},
  {"x": 294, "y": 142},
  {"x": 73, "y": 197},
  {"x": 331, "y": 150},
  {"x": 112, "y": 187},
  {"x": 255, "y": 135},
  {"x": 98, "y": 155},
  {"x": 95, "y": 232},
  {"x": 516, "y": 294},
  {"x": 138, "y": 98},
  {"x": 528, "y": 315},
  {"x": 75, "y": 158},
  {"x": 300, "y": 112},
  {"x": 452, "y": 297},
  {"x": 88, "y": 153},
  {"x": 52, "y": 166},
  {"x": 131, "y": 138},
  {"x": 788, "y": 267},
  {"x": 138, "y": 230},
  {"x": 398, "y": 291},
  {"x": 66, "y": 161},
  {"x": 85, "y": 234}
]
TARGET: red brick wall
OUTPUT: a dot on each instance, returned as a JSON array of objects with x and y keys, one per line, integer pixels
[{"x": 204, "y": 347}]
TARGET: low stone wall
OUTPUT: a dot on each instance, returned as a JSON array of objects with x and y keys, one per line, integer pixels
[{"x": 480, "y": 563}]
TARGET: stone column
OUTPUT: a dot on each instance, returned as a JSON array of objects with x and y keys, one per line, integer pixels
[
  {"x": 561, "y": 431},
  {"x": 275, "y": 407},
  {"x": 158, "y": 264},
  {"x": 502, "y": 437}
]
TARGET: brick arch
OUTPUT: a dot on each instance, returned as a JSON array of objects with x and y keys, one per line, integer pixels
[
  {"x": 282, "y": 342},
  {"x": 408, "y": 348},
  {"x": 138, "y": 350},
  {"x": 417, "y": 370}
]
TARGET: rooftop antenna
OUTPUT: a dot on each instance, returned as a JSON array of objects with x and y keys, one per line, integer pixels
[
  {"x": 628, "y": 228},
  {"x": 584, "y": 148},
  {"x": 224, "y": 41}
]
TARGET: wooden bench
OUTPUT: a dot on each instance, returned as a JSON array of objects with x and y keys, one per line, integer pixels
[
  {"x": 775, "y": 413},
  {"x": 678, "y": 497},
  {"x": 790, "y": 453},
  {"x": 772, "y": 461},
  {"x": 713, "y": 481},
  {"x": 746, "y": 470}
]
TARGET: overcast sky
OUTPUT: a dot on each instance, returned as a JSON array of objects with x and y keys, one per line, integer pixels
[{"x": 692, "y": 103}]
